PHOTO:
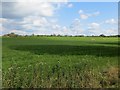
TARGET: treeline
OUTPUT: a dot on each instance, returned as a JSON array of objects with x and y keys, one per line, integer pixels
[{"x": 54, "y": 35}]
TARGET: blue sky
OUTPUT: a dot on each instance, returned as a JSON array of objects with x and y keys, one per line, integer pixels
[
  {"x": 65, "y": 18},
  {"x": 107, "y": 10}
]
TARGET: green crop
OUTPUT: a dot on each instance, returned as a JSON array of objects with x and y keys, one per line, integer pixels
[{"x": 60, "y": 62}]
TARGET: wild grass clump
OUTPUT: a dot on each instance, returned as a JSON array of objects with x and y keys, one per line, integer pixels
[{"x": 42, "y": 76}]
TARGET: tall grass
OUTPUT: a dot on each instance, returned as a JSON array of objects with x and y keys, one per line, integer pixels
[{"x": 43, "y": 76}]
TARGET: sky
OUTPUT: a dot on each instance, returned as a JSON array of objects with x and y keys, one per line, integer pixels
[{"x": 64, "y": 18}]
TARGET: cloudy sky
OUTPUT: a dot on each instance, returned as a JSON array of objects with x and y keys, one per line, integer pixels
[{"x": 65, "y": 18}]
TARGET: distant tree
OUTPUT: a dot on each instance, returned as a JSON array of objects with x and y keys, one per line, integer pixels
[
  {"x": 58, "y": 35},
  {"x": 94, "y": 36},
  {"x": 11, "y": 35},
  {"x": 33, "y": 34},
  {"x": 54, "y": 34},
  {"x": 80, "y": 35},
  {"x": 66, "y": 35},
  {"x": 70, "y": 35},
  {"x": 38, "y": 35},
  {"x": 117, "y": 35},
  {"x": 102, "y": 35},
  {"x": 26, "y": 35}
]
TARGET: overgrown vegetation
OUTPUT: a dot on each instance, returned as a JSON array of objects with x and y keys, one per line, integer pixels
[{"x": 60, "y": 62}]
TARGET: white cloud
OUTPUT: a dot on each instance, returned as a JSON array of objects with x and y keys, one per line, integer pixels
[
  {"x": 76, "y": 27},
  {"x": 70, "y": 5},
  {"x": 32, "y": 17},
  {"x": 20, "y": 9},
  {"x": 35, "y": 22},
  {"x": 111, "y": 32},
  {"x": 84, "y": 15},
  {"x": 1, "y": 28},
  {"x": 62, "y": 30},
  {"x": 42, "y": 25},
  {"x": 27, "y": 26},
  {"x": 66, "y": 31},
  {"x": 3, "y": 20},
  {"x": 56, "y": 27},
  {"x": 6, "y": 25},
  {"x": 80, "y": 11},
  {"x": 20, "y": 32},
  {"x": 94, "y": 25},
  {"x": 93, "y": 14},
  {"x": 40, "y": 22},
  {"x": 111, "y": 21},
  {"x": 97, "y": 29},
  {"x": 32, "y": 24},
  {"x": 94, "y": 28},
  {"x": 96, "y": 13},
  {"x": 43, "y": 9}
]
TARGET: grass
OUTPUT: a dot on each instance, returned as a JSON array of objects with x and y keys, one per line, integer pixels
[{"x": 60, "y": 62}]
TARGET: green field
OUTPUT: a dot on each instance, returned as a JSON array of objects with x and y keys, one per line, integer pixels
[{"x": 60, "y": 62}]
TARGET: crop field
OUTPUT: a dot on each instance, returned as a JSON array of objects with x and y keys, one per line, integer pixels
[{"x": 60, "y": 62}]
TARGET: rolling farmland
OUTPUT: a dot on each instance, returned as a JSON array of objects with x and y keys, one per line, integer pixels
[{"x": 60, "y": 62}]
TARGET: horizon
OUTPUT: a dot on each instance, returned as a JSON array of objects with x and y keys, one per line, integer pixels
[{"x": 57, "y": 35}]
